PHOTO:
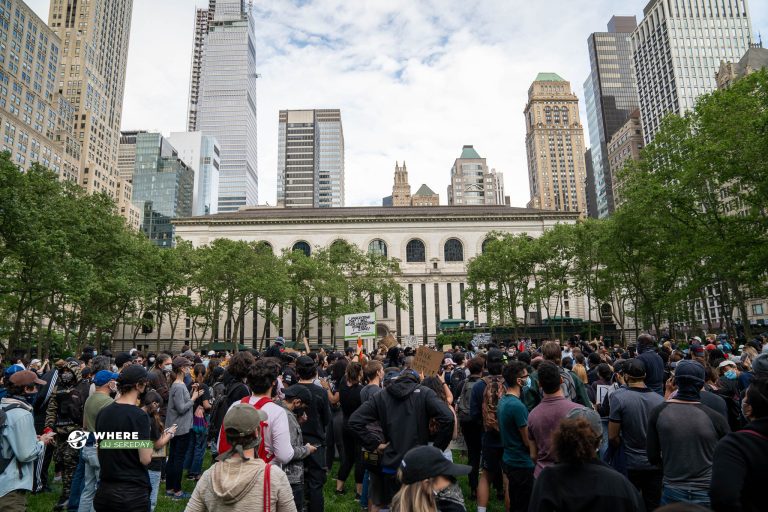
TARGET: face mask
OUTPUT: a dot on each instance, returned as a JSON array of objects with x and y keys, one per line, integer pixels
[
  {"x": 66, "y": 377},
  {"x": 730, "y": 374},
  {"x": 151, "y": 359},
  {"x": 527, "y": 382},
  {"x": 168, "y": 367},
  {"x": 299, "y": 411},
  {"x": 30, "y": 398}
]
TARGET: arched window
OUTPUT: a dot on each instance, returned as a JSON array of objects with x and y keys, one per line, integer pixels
[
  {"x": 265, "y": 246},
  {"x": 485, "y": 244},
  {"x": 302, "y": 246},
  {"x": 415, "y": 251},
  {"x": 454, "y": 251},
  {"x": 378, "y": 247}
]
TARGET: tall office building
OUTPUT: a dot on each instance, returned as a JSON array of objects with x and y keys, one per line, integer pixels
[
  {"x": 401, "y": 190},
  {"x": 91, "y": 76},
  {"x": 203, "y": 17},
  {"x": 677, "y": 49},
  {"x": 226, "y": 102},
  {"x": 471, "y": 181},
  {"x": 37, "y": 122},
  {"x": 624, "y": 145},
  {"x": 310, "y": 159},
  {"x": 126, "y": 154},
  {"x": 162, "y": 187},
  {"x": 201, "y": 153},
  {"x": 610, "y": 95},
  {"x": 554, "y": 143}
]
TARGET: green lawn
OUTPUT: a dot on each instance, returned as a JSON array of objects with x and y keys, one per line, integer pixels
[{"x": 346, "y": 503}]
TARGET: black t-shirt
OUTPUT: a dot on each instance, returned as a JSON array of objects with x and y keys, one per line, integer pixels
[
  {"x": 123, "y": 466},
  {"x": 318, "y": 415},
  {"x": 154, "y": 435},
  {"x": 349, "y": 396},
  {"x": 205, "y": 395}
]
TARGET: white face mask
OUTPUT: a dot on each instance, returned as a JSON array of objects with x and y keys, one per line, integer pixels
[{"x": 168, "y": 367}]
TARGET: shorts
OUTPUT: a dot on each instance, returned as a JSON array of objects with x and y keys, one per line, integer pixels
[
  {"x": 376, "y": 490},
  {"x": 490, "y": 458}
]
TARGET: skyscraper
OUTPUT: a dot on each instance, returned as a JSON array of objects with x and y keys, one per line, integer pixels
[
  {"x": 201, "y": 153},
  {"x": 126, "y": 154},
  {"x": 677, "y": 49},
  {"x": 226, "y": 103},
  {"x": 310, "y": 159},
  {"x": 554, "y": 142},
  {"x": 401, "y": 190},
  {"x": 203, "y": 18},
  {"x": 471, "y": 181},
  {"x": 610, "y": 95},
  {"x": 91, "y": 76},
  {"x": 162, "y": 187},
  {"x": 624, "y": 145}
]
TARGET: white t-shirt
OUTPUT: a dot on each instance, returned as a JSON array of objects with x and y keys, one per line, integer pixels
[{"x": 277, "y": 436}]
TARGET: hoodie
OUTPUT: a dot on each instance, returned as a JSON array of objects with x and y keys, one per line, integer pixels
[
  {"x": 65, "y": 408},
  {"x": 404, "y": 410},
  {"x": 234, "y": 484}
]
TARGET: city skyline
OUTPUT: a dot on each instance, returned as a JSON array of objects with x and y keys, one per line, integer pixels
[{"x": 397, "y": 71}]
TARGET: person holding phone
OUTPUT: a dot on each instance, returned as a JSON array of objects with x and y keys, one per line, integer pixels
[
  {"x": 160, "y": 437},
  {"x": 179, "y": 412}
]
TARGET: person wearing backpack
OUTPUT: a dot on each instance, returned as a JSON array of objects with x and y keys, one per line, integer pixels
[
  {"x": 19, "y": 446},
  {"x": 484, "y": 401},
  {"x": 242, "y": 480},
  {"x": 545, "y": 417},
  {"x": 572, "y": 386},
  {"x": 471, "y": 429},
  {"x": 275, "y": 433},
  {"x": 235, "y": 390}
]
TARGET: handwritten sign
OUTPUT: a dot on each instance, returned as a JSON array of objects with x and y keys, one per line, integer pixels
[
  {"x": 388, "y": 341},
  {"x": 427, "y": 361},
  {"x": 410, "y": 341},
  {"x": 359, "y": 325}
]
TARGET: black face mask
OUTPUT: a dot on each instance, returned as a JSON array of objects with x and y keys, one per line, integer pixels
[
  {"x": 300, "y": 411},
  {"x": 67, "y": 377}
]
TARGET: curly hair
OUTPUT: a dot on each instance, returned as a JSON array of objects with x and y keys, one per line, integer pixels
[
  {"x": 574, "y": 441},
  {"x": 240, "y": 364},
  {"x": 354, "y": 373}
]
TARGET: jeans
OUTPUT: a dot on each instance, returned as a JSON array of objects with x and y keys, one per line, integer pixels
[
  {"x": 76, "y": 490},
  {"x": 193, "y": 460},
  {"x": 519, "y": 488},
  {"x": 175, "y": 467},
  {"x": 364, "y": 494},
  {"x": 90, "y": 459},
  {"x": 648, "y": 482},
  {"x": 352, "y": 455},
  {"x": 121, "y": 497},
  {"x": 298, "y": 496},
  {"x": 154, "y": 479},
  {"x": 473, "y": 439},
  {"x": 315, "y": 474},
  {"x": 677, "y": 495}
]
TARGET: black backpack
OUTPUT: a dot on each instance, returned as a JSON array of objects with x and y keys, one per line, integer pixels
[
  {"x": 4, "y": 462},
  {"x": 220, "y": 409}
]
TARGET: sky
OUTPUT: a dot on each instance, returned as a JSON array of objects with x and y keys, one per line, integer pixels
[{"x": 415, "y": 79}]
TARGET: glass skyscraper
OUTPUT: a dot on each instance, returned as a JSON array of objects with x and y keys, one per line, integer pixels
[
  {"x": 677, "y": 50},
  {"x": 310, "y": 159},
  {"x": 226, "y": 104},
  {"x": 610, "y": 94},
  {"x": 162, "y": 187},
  {"x": 202, "y": 154}
]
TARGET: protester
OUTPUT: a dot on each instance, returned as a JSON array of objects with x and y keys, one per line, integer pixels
[
  {"x": 513, "y": 426},
  {"x": 471, "y": 427},
  {"x": 740, "y": 461},
  {"x": 579, "y": 481},
  {"x": 160, "y": 437},
  {"x": 123, "y": 479},
  {"x": 179, "y": 413},
  {"x": 404, "y": 410},
  {"x": 630, "y": 408},
  {"x": 654, "y": 365},
  {"x": 193, "y": 461},
  {"x": 241, "y": 480},
  {"x": 159, "y": 379},
  {"x": 685, "y": 454},
  {"x": 349, "y": 397},
  {"x": 297, "y": 398},
  {"x": 429, "y": 482},
  {"x": 106, "y": 383},
  {"x": 19, "y": 445},
  {"x": 545, "y": 417}
]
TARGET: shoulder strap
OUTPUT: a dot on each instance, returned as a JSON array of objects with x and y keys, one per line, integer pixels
[
  {"x": 245, "y": 400},
  {"x": 267, "y": 489},
  {"x": 755, "y": 433},
  {"x": 262, "y": 402}
]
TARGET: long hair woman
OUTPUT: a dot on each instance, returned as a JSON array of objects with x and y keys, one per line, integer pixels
[
  {"x": 349, "y": 397},
  {"x": 179, "y": 413},
  {"x": 193, "y": 462},
  {"x": 429, "y": 483}
]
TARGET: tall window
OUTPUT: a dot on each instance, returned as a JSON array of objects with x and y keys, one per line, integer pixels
[
  {"x": 485, "y": 245},
  {"x": 378, "y": 247},
  {"x": 302, "y": 246},
  {"x": 454, "y": 251},
  {"x": 415, "y": 252}
]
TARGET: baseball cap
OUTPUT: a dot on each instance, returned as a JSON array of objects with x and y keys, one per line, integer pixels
[
  {"x": 425, "y": 462},
  {"x": 305, "y": 362},
  {"x": 189, "y": 354},
  {"x": 725, "y": 363},
  {"x": 242, "y": 420},
  {"x": 696, "y": 338},
  {"x": 592, "y": 417},
  {"x": 180, "y": 362},
  {"x": 14, "y": 368},
  {"x": 698, "y": 350},
  {"x": 495, "y": 356},
  {"x": 132, "y": 375},
  {"x": 122, "y": 358},
  {"x": 104, "y": 376},
  {"x": 211, "y": 353},
  {"x": 279, "y": 340},
  {"x": 635, "y": 368},
  {"x": 35, "y": 361},
  {"x": 298, "y": 391},
  {"x": 690, "y": 370},
  {"x": 26, "y": 378},
  {"x": 711, "y": 346}
]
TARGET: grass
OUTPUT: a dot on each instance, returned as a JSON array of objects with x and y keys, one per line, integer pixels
[{"x": 346, "y": 503}]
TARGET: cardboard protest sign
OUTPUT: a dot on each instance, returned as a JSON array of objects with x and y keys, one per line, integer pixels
[
  {"x": 427, "y": 361},
  {"x": 410, "y": 341},
  {"x": 388, "y": 341}
]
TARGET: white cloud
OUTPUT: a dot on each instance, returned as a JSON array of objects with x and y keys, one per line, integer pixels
[{"x": 415, "y": 80}]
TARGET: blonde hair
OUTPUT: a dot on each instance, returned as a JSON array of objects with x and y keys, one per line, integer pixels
[
  {"x": 415, "y": 497},
  {"x": 581, "y": 372}
]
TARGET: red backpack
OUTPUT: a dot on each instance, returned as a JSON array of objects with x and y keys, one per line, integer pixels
[
  {"x": 262, "y": 451},
  {"x": 494, "y": 390}
]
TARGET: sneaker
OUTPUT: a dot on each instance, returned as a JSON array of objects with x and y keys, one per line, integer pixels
[
  {"x": 340, "y": 492},
  {"x": 182, "y": 496}
]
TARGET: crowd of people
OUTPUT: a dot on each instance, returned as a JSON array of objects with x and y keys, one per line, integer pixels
[{"x": 579, "y": 426}]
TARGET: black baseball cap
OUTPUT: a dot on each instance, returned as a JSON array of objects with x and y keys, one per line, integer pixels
[
  {"x": 122, "y": 358},
  {"x": 298, "y": 391},
  {"x": 635, "y": 368},
  {"x": 425, "y": 462},
  {"x": 132, "y": 375}
]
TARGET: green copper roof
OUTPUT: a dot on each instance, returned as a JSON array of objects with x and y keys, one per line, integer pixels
[
  {"x": 424, "y": 190},
  {"x": 469, "y": 152},
  {"x": 549, "y": 77}
]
